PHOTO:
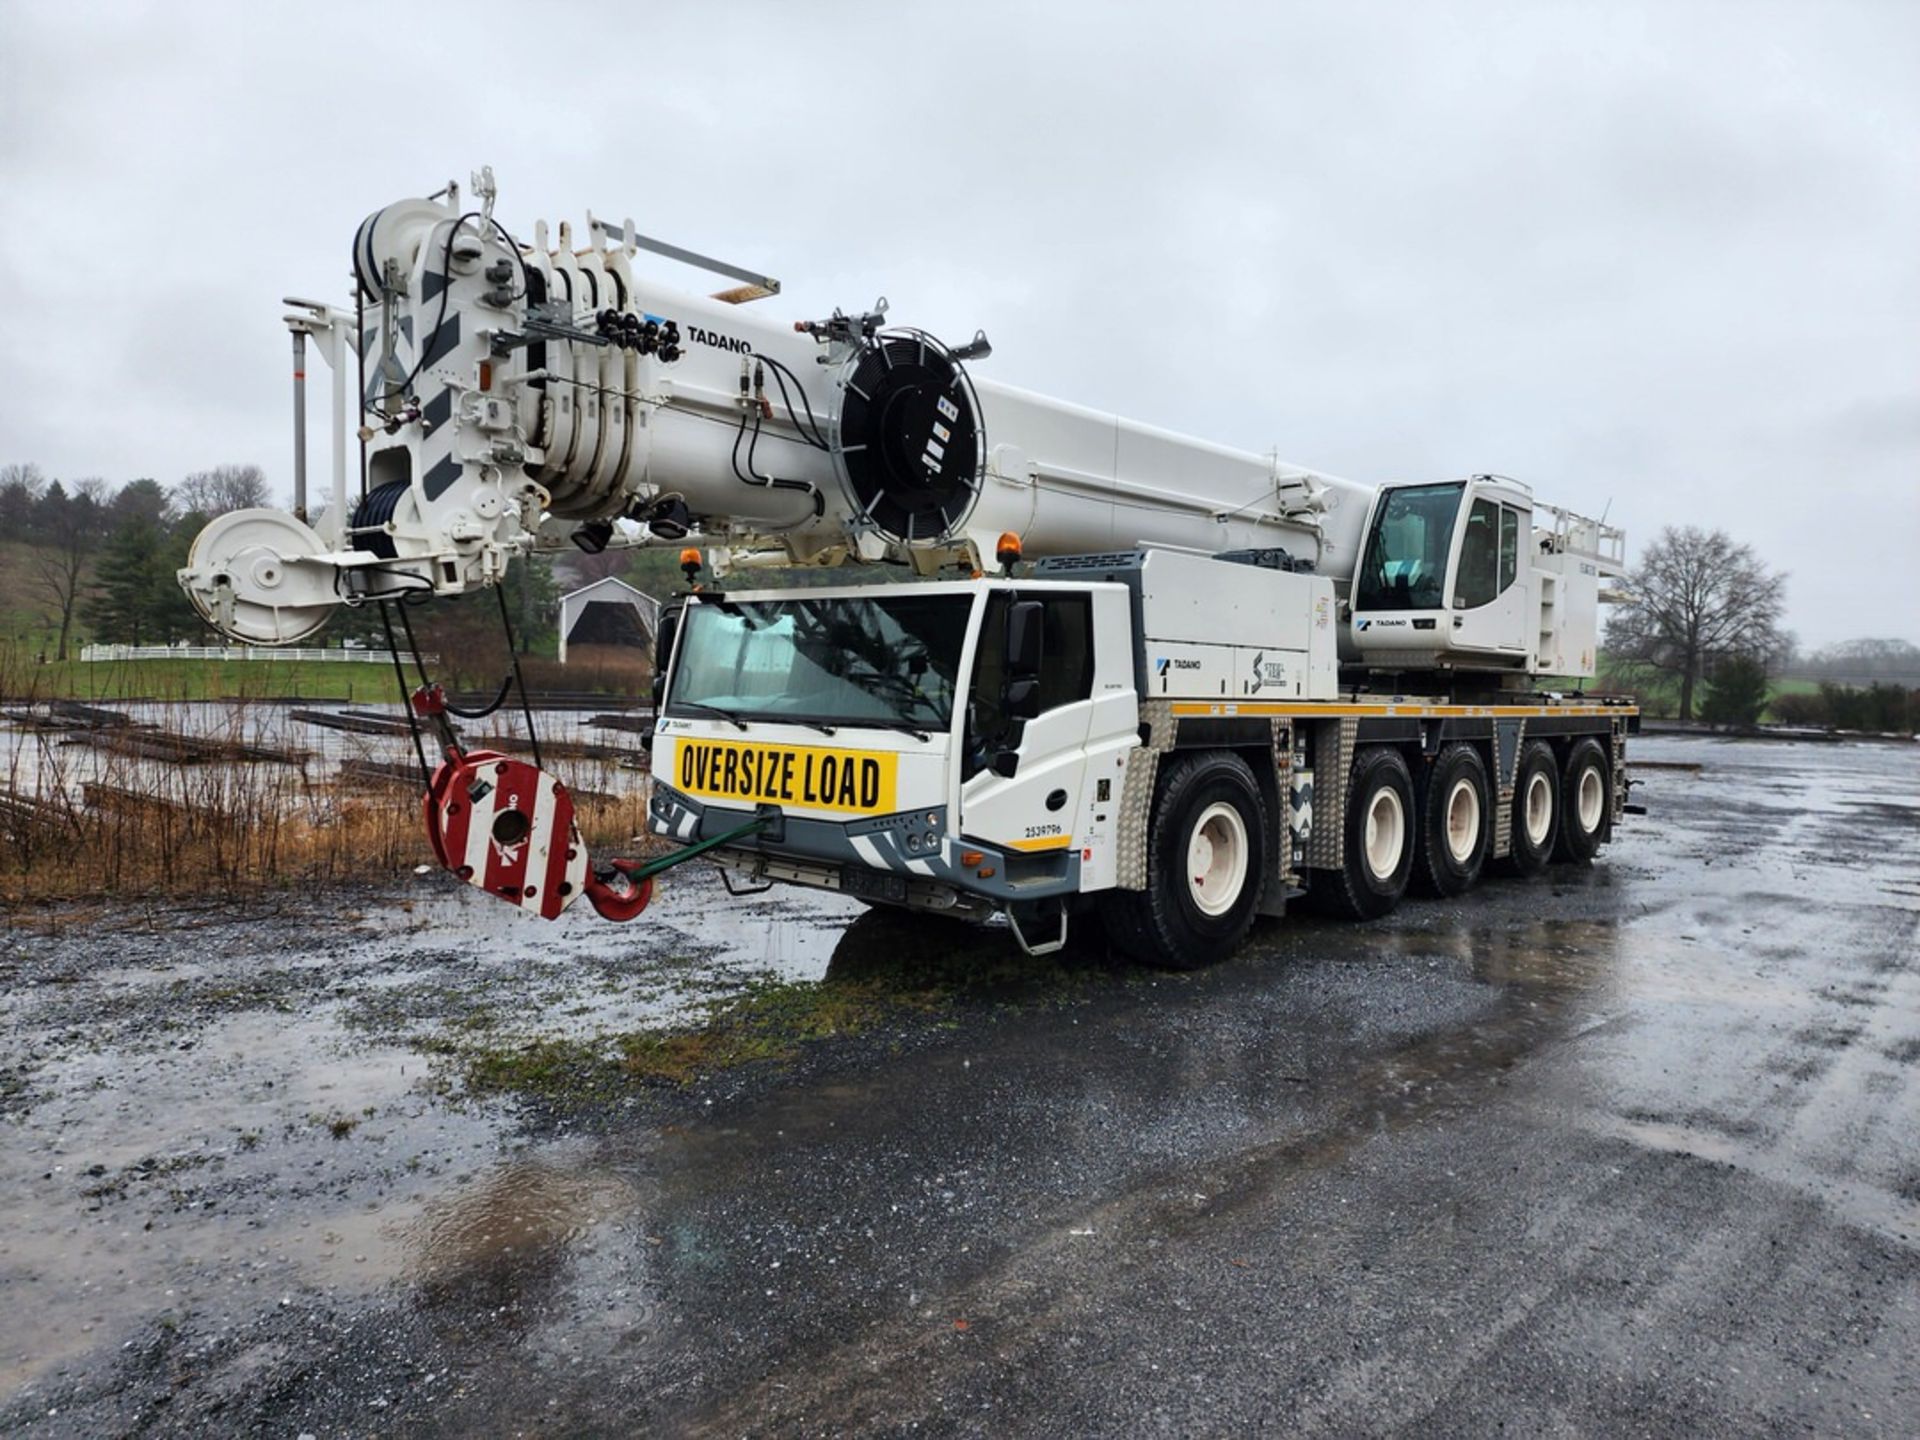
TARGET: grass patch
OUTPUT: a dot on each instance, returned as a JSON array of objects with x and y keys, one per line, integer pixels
[
  {"x": 768, "y": 1022},
  {"x": 901, "y": 979}
]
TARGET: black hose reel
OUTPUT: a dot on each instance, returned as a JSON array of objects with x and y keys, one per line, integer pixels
[{"x": 909, "y": 441}]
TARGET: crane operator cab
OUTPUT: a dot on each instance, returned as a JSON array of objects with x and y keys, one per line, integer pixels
[{"x": 1456, "y": 575}]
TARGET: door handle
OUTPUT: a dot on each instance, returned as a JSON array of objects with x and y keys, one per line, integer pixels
[{"x": 1057, "y": 800}]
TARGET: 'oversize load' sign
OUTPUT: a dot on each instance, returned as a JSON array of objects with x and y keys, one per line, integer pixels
[{"x": 853, "y": 782}]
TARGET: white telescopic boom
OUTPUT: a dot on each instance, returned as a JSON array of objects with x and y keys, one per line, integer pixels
[{"x": 517, "y": 398}]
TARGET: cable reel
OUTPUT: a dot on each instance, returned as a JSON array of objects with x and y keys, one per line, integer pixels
[{"x": 909, "y": 442}]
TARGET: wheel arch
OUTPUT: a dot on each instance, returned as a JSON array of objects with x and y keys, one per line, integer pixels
[{"x": 1254, "y": 741}]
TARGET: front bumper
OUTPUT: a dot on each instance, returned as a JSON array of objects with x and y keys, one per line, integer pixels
[{"x": 914, "y": 848}]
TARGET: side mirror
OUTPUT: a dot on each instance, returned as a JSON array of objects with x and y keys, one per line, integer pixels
[
  {"x": 1020, "y": 694},
  {"x": 663, "y": 643}
]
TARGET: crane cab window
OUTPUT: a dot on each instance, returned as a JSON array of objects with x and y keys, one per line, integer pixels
[
  {"x": 1405, "y": 562},
  {"x": 1489, "y": 555}
]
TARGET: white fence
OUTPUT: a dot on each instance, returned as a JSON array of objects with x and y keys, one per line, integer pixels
[{"x": 240, "y": 652}]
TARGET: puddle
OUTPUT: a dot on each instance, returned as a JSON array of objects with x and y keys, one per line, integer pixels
[
  {"x": 1870, "y": 1207},
  {"x": 211, "y": 1168},
  {"x": 788, "y": 933},
  {"x": 517, "y": 1218}
]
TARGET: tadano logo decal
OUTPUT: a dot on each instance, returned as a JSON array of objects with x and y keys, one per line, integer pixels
[{"x": 719, "y": 341}]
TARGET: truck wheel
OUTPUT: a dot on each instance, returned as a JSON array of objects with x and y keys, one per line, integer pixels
[
  {"x": 1206, "y": 862},
  {"x": 1536, "y": 810},
  {"x": 1455, "y": 822},
  {"x": 1584, "y": 795},
  {"x": 1378, "y": 849}
]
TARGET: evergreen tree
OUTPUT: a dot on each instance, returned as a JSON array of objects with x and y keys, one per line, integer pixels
[
  {"x": 138, "y": 601},
  {"x": 1736, "y": 693}
]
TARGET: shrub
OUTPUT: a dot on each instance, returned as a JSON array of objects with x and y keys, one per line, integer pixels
[
  {"x": 1801, "y": 709},
  {"x": 1736, "y": 693}
]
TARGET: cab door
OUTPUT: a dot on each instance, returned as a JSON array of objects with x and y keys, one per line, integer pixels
[
  {"x": 1489, "y": 594},
  {"x": 1036, "y": 807}
]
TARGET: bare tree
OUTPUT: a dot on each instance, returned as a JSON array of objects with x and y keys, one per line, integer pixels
[
  {"x": 21, "y": 487},
  {"x": 1697, "y": 597},
  {"x": 223, "y": 488},
  {"x": 71, "y": 525},
  {"x": 583, "y": 567}
]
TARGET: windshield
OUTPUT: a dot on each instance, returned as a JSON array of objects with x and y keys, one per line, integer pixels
[
  {"x": 884, "y": 661},
  {"x": 1405, "y": 566}
]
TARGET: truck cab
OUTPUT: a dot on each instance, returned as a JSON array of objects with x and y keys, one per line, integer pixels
[{"x": 945, "y": 746}]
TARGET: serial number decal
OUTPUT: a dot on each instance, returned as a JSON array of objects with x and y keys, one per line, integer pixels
[
  {"x": 851, "y": 782},
  {"x": 1040, "y": 837}
]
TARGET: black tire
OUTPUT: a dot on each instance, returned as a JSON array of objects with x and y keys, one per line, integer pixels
[
  {"x": 1177, "y": 921},
  {"x": 1359, "y": 889},
  {"x": 1536, "y": 810},
  {"x": 1456, "y": 822},
  {"x": 1586, "y": 802}
]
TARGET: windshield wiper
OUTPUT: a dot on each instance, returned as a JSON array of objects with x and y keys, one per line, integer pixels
[
  {"x": 903, "y": 725},
  {"x": 705, "y": 708},
  {"x": 820, "y": 725}
]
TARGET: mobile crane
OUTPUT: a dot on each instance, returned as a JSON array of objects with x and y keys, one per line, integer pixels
[{"x": 1125, "y": 672}]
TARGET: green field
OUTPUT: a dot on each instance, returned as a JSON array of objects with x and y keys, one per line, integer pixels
[
  {"x": 1659, "y": 696},
  {"x": 28, "y": 630},
  {"x": 22, "y": 678}
]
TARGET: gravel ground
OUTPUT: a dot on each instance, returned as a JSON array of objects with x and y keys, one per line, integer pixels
[{"x": 1628, "y": 1148}]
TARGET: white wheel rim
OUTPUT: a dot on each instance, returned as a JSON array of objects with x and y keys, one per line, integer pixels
[
  {"x": 1538, "y": 812},
  {"x": 1386, "y": 833},
  {"x": 1217, "y": 859},
  {"x": 1593, "y": 798},
  {"x": 1463, "y": 820}
]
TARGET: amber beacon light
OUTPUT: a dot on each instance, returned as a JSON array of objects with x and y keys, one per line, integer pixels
[{"x": 1007, "y": 551}]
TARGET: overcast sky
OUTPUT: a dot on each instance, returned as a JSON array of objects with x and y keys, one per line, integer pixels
[{"x": 1663, "y": 261}]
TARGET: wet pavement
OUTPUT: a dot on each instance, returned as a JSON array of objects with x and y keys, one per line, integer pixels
[{"x": 1630, "y": 1148}]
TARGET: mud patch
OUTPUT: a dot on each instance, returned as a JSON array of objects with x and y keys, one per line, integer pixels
[
  {"x": 1802, "y": 1070},
  {"x": 1828, "y": 1037}
]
